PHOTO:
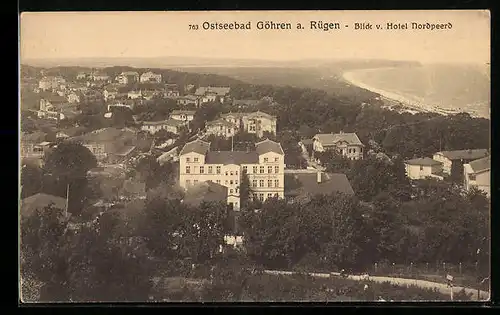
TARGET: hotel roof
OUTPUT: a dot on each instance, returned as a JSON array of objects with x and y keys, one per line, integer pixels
[
  {"x": 268, "y": 146},
  {"x": 198, "y": 146},
  {"x": 232, "y": 157}
]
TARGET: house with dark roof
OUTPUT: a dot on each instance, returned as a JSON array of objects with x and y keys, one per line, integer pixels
[
  {"x": 183, "y": 115},
  {"x": 34, "y": 147},
  {"x": 212, "y": 93},
  {"x": 346, "y": 143},
  {"x": 109, "y": 145},
  {"x": 127, "y": 77},
  {"x": 308, "y": 183},
  {"x": 477, "y": 174},
  {"x": 459, "y": 157},
  {"x": 264, "y": 168},
  {"x": 189, "y": 100},
  {"x": 421, "y": 168},
  {"x": 31, "y": 204}
]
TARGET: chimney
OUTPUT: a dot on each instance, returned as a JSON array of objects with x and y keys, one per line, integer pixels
[{"x": 318, "y": 176}]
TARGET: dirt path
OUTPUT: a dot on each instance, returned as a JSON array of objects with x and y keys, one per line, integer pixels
[{"x": 443, "y": 288}]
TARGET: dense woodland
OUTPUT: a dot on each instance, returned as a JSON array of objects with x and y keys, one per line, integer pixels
[{"x": 387, "y": 220}]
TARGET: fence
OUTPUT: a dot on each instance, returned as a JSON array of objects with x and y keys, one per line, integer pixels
[{"x": 463, "y": 274}]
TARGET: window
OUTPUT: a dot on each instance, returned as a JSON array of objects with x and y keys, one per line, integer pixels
[
  {"x": 217, "y": 169},
  {"x": 262, "y": 169},
  {"x": 269, "y": 183},
  {"x": 276, "y": 169},
  {"x": 229, "y": 131},
  {"x": 276, "y": 183},
  {"x": 227, "y": 173},
  {"x": 255, "y": 197},
  {"x": 236, "y": 172},
  {"x": 261, "y": 197},
  {"x": 237, "y": 189},
  {"x": 276, "y": 159},
  {"x": 269, "y": 195},
  {"x": 266, "y": 160},
  {"x": 421, "y": 168},
  {"x": 269, "y": 169},
  {"x": 221, "y": 128},
  {"x": 244, "y": 169},
  {"x": 254, "y": 183},
  {"x": 236, "y": 182},
  {"x": 202, "y": 169},
  {"x": 261, "y": 183},
  {"x": 196, "y": 181},
  {"x": 232, "y": 173},
  {"x": 225, "y": 182},
  {"x": 196, "y": 159},
  {"x": 188, "y": 169},
  {"x": 218, "y": 181},
  {"x": 472, "y": 177},
  {"x": 188, "y": 182},
  {"x": 230, "y": 191},
  {"x": 231, "y": 182},
  {"x": 255, "y": 169},
  {"x": 210, "y": 169}
]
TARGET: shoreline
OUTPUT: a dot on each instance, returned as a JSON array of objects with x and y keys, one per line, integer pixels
[{"x": 408, "y": 104}]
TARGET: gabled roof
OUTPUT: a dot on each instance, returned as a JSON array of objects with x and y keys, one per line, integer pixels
[
  {"x": 235, "y": 115},
  {"x": 183, "y": 112},
  {"x": 423, "y": 162},
  {"x": 232, "y": 157},
  {"x": 221, "y": 122},
  {"x": 189, "y": 97},
  {"x": 205, "y": 192},
  {"x": 330, "y": 139},
  {"x": 464, "y": 154},
  {"x": 481, "y": 165},
  {"x": 39, "y": 201},
  {"x": 198, "y": 146},
  {"x": 268, "y": 146},
  {"x": 134, "y": 73},
  {"x": 330, "y": 183}
]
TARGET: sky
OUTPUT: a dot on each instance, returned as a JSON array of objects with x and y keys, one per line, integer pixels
[{"x": 66, "y": 35}]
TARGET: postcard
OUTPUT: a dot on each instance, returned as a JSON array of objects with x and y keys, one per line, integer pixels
[{"x": 256, "y": 156}]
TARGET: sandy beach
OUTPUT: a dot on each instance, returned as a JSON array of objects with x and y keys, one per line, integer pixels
[{"x": 411, "y": 102}]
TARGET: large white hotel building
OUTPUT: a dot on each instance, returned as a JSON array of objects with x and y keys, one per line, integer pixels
[{"x": 264, "y": 168}]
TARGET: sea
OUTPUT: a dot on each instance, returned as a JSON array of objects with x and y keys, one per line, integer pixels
[{"x": 454, "y": 88}]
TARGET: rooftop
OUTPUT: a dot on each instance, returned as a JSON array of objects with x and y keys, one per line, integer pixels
[
  {"x": 480, "y": 165},
  {"x": 465, "y": 154},
  {"x": 330, "y": 183},
  {"x": 329, "y": 139},
  {"x": 426, "y": 161},
  {"x": 268, "y": 146},
  {"x": 259, "y": 114},
  {"x": 221, "y": 122},
  {"x": 198, "y": 146},
  {"x": 232, "y": 157}
]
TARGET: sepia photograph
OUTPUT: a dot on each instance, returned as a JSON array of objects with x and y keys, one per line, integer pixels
[{"x": 254, "y": 156}]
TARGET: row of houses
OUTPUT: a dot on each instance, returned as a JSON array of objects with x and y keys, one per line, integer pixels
[{"x": 473, "y": 166}]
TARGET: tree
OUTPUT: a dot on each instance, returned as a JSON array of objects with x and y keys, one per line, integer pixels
[
  {"x": 31, "y": 180},
  {"x": 82, "y": 263},
  {"x": 68, "y": 165},
  {"x": 245, "y": 190},
  {"x": 334, "y": 162}
]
